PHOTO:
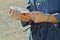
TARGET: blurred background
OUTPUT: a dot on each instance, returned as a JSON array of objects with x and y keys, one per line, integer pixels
[{"x": 10, "y": 28}]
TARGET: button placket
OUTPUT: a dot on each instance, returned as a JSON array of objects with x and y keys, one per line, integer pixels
[{"x": 39, "y": 3}]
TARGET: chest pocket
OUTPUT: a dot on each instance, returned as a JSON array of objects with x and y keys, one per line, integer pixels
[{"x": 53, "y": 5}]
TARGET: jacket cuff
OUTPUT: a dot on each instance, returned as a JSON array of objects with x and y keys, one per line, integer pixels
[{"x": 57, "y": 15}]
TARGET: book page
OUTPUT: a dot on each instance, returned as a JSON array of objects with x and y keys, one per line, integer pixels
[{"x": 22, "y": 10}]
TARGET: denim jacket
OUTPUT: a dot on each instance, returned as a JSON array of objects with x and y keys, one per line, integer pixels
[{"x": 45, "y": 6}]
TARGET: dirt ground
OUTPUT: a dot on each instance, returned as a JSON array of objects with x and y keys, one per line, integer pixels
[{"x": 10, "y": 28}]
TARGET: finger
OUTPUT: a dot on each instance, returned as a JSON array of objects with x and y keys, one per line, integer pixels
[{"x": 12, "y": 13}]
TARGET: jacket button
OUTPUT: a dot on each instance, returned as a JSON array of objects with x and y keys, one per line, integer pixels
[{"x": 38, "y": 4}]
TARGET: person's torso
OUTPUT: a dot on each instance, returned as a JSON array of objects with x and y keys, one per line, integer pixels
[{"x": 45, "y": 6}]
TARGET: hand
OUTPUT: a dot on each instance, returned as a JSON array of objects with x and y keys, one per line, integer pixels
[
  {"x": 18, "y": 15},
  {"x": 38, "y": 16}
]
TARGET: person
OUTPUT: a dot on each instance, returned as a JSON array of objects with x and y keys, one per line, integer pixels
[{"x": 46, "y": 19}]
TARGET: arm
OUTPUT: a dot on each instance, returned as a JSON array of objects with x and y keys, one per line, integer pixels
[
  {"x": 55, "y": 18},
  {"x": 52, "y": 18},
  {"x": 41, "y": 17}
]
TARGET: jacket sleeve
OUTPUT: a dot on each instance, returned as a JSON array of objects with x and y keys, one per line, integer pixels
[
  {"x": 29, "y": 7},
  {"x": 58, "y": 16}
]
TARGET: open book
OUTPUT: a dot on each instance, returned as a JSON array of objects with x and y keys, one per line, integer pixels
[{"x": 22, "y": 10}]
